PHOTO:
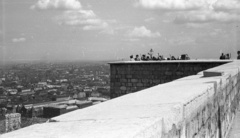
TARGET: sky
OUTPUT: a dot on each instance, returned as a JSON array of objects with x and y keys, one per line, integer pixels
[{"x": 116, "y": 29}]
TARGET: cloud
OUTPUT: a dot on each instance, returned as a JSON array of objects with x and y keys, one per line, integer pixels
[
  {"x": 85, "y": 18},
  {"x": 206, "y": 16},
  {"x": 73, "y": 14},
  {"x": 142, "y": 32},
  {"x": 171, "y": 4},
  {"x": 227, "y": 5},
  {"x": 22, "y": 39},
  {"x": 57, "y": 4},
  {"x": 197, "y": 11}
]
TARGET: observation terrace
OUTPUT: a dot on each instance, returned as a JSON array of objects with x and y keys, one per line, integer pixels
[{"x": 201, "y": 104}]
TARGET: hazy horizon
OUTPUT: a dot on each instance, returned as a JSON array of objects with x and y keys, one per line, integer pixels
[{"x": 93, "y": 30}]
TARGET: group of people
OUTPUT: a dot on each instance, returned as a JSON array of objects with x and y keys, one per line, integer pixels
[
  {"x": 228, "y": 56},
  {"x": 150, "y": 56},
  {"x": 225, "y": 56}
]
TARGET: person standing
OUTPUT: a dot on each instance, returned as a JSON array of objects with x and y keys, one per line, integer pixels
[
  {"x": 137, "y": 58},
  {"x": 238, "y": 57},
  {"x": 131, "y": 58},
  {"x": 222, "y": 56}
]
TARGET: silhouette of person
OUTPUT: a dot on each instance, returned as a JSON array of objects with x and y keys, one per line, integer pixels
[
  {"x": 222, "y": 56},
  {"x": 143, "y": 57},
  {"x": 148, "y": 58},
  {"x": 227, "y": 56},
  {"x": 173, "y": 58},
  {"x": 137, "y": 58},
  {"x": 151, "y": 53},
  {"x": 238, "y": 57},
  {"x": 131, "y": 58}
]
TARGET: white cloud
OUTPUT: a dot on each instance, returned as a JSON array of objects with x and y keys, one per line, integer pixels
[
  {"x": 73, "y": 14},
  {"x": 171, "y": 4},
  {"x": 22, "y": 39},
  {"x": 143, "y": 32},
  {"x": 57, "y": 4},
  {"x": 197, "y": 11},
  {"x": 85, "y": 18},
  {"x": 206, "y": 16},
  {"x": 97, "y": 26},
  {"x": 227, "y": 5}
]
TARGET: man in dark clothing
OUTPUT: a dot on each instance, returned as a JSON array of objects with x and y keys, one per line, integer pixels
[
  {"x": 238, "y": 57},
  {"x": 222, "y": 56},
  {"x": 23, "y": 111}
]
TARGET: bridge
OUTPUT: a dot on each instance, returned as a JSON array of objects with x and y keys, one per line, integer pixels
[{"x": 203, "y": 104}]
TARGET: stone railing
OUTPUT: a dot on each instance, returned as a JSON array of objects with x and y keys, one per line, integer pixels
[
  {"x": 201, "y": 105},
  {"x": 132, "y": 76}
]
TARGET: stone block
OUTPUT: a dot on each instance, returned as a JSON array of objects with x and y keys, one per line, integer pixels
[
  {"x": 168, "y": 73},
  {"x": 123, "y": 80},
  {"x": 212, "y": 73},
  {"x": 128, "y": 76},
  {"x": 179, "y": 73},
  {"x": 123, "y": 88},
  {"x": 139, "y": 84},
  {"x": 134, "y": 80}
]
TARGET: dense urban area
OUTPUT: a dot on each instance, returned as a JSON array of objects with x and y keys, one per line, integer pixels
[{"x": 24, "y": 87}]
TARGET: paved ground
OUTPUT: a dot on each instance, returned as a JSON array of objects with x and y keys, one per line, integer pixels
[{"x": 235, "y": 130}]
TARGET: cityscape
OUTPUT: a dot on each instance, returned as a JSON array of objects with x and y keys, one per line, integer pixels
[{"x": 35, "y": 85}]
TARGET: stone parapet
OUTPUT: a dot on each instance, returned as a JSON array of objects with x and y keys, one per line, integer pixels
[{"x": 131, "y": 76}]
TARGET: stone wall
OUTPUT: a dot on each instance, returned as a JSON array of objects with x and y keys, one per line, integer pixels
[
  {"x": 215, "y": 110},
  {"x": 12, "y": 121},
  {"x": 128, "y": 77}
]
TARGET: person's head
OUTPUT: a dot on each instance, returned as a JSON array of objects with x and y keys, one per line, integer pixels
[
  {"x": 136, "y": 55},
  {"x": 238, "y": 52},
  {"x": 131, "y": 56},
  {"x": 222, "y": 54}
]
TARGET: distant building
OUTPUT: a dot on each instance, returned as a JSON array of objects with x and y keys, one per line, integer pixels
[{"x": 95, "y": 94}]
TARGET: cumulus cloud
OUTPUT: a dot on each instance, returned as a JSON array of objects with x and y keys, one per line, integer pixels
[
  {"x": 143, "y": 32},
  {"x": 171, "y": 4},
  {"x": 73, "y": 14},
  {"x": 22, "y": 39},
  {"x": 85, "y": 18},
  {"x": 57, "y": 4},
  {"x": 197, "y": 11},
  {"x": 206, "y": 16},
  {"x": 226, "y": 5}
]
